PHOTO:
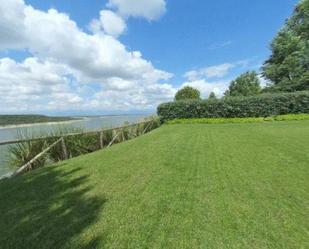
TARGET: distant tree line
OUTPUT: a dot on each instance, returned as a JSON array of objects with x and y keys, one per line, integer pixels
[{"x": 29, "y": 119}]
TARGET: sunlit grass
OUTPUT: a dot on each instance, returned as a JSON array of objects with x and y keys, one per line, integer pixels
[{"x": 179, "y": 186}]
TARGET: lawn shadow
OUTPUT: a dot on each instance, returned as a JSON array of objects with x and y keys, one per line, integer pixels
[{"x": 48, "y": 208}]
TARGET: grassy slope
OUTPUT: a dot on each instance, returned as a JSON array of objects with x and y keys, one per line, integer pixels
[{"x": 180, "y": 186}]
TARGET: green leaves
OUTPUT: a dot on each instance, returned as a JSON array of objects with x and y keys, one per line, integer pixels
[
  {"x": 187, "y": 93},
  {"x": 288, "y": 66},
  {"x": 245, "y": 85},
  {"x": 262, "y": 105},
  {"x": 212, "y": 95}
]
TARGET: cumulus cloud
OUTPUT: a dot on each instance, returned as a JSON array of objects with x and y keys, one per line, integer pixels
[
  {"x": 145, "y": 98},
  {"x": 109, "y": 22},
  {"x": 150, "y": 9},
  {"x": 34, "y": 85},
  {"x": 63, "y": 52},
  {"x": 205, "y": 87},
  {"x": 192, "y": 75},
  {"x": 31, "y": 83},
  {"x": 93, "y": 57},
  {"x": 216, "y": 71},
  {"x": 11, "y": 24}
]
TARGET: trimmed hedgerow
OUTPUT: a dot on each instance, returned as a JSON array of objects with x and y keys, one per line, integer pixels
[{"x": 263, "y": 105}]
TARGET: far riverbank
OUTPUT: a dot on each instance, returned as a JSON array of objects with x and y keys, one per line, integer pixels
[{"x": 41, "y": 123}]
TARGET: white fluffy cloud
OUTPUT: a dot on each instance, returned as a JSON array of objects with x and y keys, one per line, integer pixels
[
  {"x": 11, "y": 24},
  {"x": 216, "y": 71},
  {"x": 146, "y": 98},
  {"x": 63, "y": 52},
  {"x": 30, "y": 84},
  {"x": 218, "y": 87},
  {"x": 92, "y": 57},
  {"x": 110, "y": 23},
  {"x": 149, "y": 9}
]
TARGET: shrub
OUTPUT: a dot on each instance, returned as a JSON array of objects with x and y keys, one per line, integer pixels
[
  {"x": 22, "y": 153},
  {"x": 263, "y": 105}
]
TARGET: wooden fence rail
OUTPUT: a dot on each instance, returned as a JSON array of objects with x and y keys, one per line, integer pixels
[
  {"x": 61, "y": 140},
  {"x": 25, "y": 167},
  {"x": 71, "y": 134}
]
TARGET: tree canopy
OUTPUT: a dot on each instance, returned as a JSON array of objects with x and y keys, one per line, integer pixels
[
  {"x": 187, "y": 92},
  {"x": 288, "y": 66},
  {"x": 212, "y": 95},
  {"x": 244, "y": 85}
]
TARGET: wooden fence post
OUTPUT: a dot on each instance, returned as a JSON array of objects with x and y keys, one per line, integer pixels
[
  {"x": 64, "y": 148},
  {"x": 113, "y": 140},
  {"x": 122, "y": 133},
  {"x": 133, "y": 130},
  {"x": 148, "y": 125},
  {"x": 101, "y": 139}
]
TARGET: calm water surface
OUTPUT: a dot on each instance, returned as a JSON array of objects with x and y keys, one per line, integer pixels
[{"x": 92, "y": 123}]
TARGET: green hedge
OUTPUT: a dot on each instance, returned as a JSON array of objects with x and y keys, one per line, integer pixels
[{"x": 264, "y": 105}]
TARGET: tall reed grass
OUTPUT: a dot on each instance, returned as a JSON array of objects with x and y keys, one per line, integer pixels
[{"x": 76, "y": 145}]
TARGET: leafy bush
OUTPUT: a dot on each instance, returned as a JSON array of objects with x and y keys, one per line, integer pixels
[
  {"x": 263, "y": 105},
  {"x": 21, "y": 153}
]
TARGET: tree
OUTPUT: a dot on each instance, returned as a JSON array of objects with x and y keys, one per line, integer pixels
[
  {"x": 212, "y": 95},
  {"x": 187, "y": 93},
  {"x": 245, "y": 85},
  {"x": 288, "y": 66}
]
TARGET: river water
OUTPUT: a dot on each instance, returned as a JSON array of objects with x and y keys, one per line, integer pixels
[{"x": 89, "y": 123}]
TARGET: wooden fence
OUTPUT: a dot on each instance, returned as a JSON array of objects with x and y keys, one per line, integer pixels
[{"x": 117, "y": 132}]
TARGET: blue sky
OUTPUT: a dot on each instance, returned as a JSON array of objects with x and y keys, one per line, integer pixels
[{"x": 212, "y": 40}]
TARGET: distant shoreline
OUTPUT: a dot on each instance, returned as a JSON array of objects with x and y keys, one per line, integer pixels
[
  {"x": 73, "y": 120},
  {"x": 12, "y": 126}
]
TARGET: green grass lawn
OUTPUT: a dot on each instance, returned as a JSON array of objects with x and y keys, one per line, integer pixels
[{"x": 180, "y": 186}]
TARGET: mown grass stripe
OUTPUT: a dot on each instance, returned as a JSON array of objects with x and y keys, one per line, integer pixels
[{"x": 180, "y": 186}]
